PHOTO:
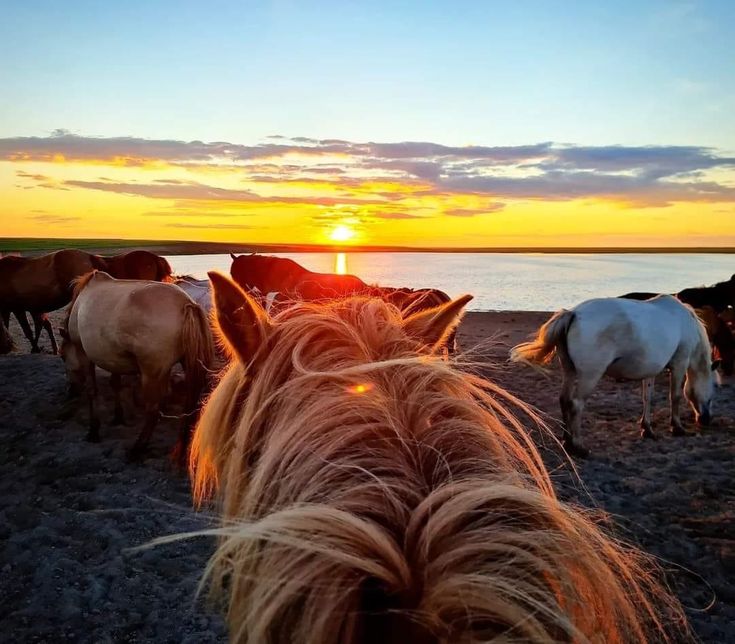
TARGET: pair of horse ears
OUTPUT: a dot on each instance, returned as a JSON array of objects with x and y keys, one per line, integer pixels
[{"x": 245, "y": 326}]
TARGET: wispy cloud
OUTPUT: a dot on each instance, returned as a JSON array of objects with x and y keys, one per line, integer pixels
[
  {"x": 335, "y": 172},
  {"x": 217, "y": 226},
  {"x": 48, "y": 218}
]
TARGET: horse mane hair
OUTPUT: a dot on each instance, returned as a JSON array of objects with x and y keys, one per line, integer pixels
[
  {"x": 77, "y": 285},
  {"x": 371, "y": 491}
]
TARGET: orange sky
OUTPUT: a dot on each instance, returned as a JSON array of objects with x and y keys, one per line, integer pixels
[{"x": 407, "y": 194}]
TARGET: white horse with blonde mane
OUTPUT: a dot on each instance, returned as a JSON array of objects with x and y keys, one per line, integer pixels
[
  {"x": 626, "y": 339},
  {"x": 137, "y": 327},
  {"x": 372, "y": 492}
]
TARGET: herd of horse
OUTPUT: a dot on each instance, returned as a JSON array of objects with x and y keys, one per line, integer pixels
[{"x": 369, "y": 487}]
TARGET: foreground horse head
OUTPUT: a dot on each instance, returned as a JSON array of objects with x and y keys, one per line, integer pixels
[
  {"x": 372, "y": 492},
  {"x": 625, "y": 339}
]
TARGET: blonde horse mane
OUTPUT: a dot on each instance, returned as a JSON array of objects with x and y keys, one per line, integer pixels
[
  {"x": 371, "y": 491},
  {"x": 77, "y": 285}
]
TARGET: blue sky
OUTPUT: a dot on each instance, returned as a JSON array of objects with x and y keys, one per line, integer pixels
[{"x": 489, "y": 73}]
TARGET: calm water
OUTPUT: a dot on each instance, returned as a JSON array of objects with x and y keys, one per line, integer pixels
[{"x": 531, "y": 282}]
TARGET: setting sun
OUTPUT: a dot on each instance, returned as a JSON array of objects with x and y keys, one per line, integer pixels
[{"x": 342, "y": 234}]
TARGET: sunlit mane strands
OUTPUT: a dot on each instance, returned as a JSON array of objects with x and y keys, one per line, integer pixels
[{"x": 371, "y": 492}]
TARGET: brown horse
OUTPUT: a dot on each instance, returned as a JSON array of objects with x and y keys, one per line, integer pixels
[
  {"x": 720, "y": 336},
  {"x": 291, "y": 281},
  {"x": 137, "y": 327},
  {"x": 270, "y": 274},
  {"x": 43, "y": 284},
  {"x": 6, "y": 342},
  {"x": 371, "y": 492},
  {"x": 719, "y": 296}
]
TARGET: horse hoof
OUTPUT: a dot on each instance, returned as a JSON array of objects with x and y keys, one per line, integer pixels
[
  {"x": 648, "y": 434},
  {"x": 678, "y": 431},
  {"x": 35, "y": 350},
  {"x": 93, "y": 437},
  {"x": 118, "y": 419}
]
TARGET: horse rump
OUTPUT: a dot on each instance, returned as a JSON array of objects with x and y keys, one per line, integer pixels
[{"x": 550, "y": 340}]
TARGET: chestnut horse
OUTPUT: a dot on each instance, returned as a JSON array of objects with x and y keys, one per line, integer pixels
[
  {"x": 43, "y": 284},
  {"x": 267, "y": 274},
  {"x": 270, "y": 274},
  {"x": 137, "y": 327},
  {"x": 372, "y": 492}
]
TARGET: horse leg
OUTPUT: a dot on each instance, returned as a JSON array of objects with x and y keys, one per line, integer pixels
[
  {"x": 676, "y": 382},
  {"x": 574, "y": 399},
  {"x": 23, "y": 321},
  {"x": 37, "y": 328},
  {"x": 46, "y": 324},
  {"x": 647, "y": 395},
  {"x": 154, "y": 386},
  {"x": 94, "y": 423},
  {"x": 116, "y": 385}
]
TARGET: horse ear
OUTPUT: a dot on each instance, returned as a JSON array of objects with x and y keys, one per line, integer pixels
[
  {"x": 243, "y": 324},
  {"x": 716, "y": 364},
  {"x": 233, "y": 255},
  {"x": 433, "y": 326}
]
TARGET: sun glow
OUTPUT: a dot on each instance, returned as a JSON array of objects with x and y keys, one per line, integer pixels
[{"x": 341, "y": 234}]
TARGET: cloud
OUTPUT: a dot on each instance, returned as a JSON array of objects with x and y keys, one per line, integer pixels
[
  {"x": 336, "y": 172},
  {"x": 474, "y": 212},
  {"x": 195, "y": 191},
  {"x": 211, "y": 226},
  {"x": 54, "y": 219},
  {"x": 187, "y": 212}
]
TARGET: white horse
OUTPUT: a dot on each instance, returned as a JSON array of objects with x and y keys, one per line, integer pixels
[
  {"x": 628, "y": 339},
  {"x": 198, "y": 290},
  {"x": 201, "y": 292}
]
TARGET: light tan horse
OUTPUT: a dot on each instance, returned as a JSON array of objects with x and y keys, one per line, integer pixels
[
  {"x": 372, "y": 492},
  {"x": 131, "y": 327}
]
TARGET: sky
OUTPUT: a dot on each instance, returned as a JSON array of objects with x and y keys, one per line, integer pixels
[{"x": 471, "y": 124}]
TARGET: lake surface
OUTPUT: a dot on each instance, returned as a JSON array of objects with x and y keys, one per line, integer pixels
[{"x": 507, "y": 282}]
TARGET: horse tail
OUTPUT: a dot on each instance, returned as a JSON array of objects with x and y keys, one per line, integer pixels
[
  {"x": 550, "y": 340},
  {"x": 460, "y": 567},
  {"x": 196, "y": 338}
]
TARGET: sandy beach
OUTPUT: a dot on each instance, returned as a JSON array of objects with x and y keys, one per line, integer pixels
[{"x": 71, "y": 511}]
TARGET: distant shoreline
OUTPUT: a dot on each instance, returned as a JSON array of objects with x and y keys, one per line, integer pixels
[{"x": 35, "y": 246}]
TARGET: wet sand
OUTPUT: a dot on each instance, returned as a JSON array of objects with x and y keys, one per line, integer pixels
[{"x": 71, "y": 511}]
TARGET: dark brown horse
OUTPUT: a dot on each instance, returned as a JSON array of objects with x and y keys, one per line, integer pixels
[
  {"x": 6, "y": 342},
  {"x": 291, "y": 281},
  {"x": 270, "y": 274},
  {"x": 42, "y": 284},
  {"x": 719, "y": 296}
]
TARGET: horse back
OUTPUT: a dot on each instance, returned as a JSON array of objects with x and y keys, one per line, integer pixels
[
  {"x": 138, "y": 265},
  {"x": 122, "y": 323},
  {"x": 41, "y": 284}
]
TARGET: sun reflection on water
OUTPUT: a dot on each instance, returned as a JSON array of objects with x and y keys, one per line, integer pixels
[{"x": 340, "y": 263}]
